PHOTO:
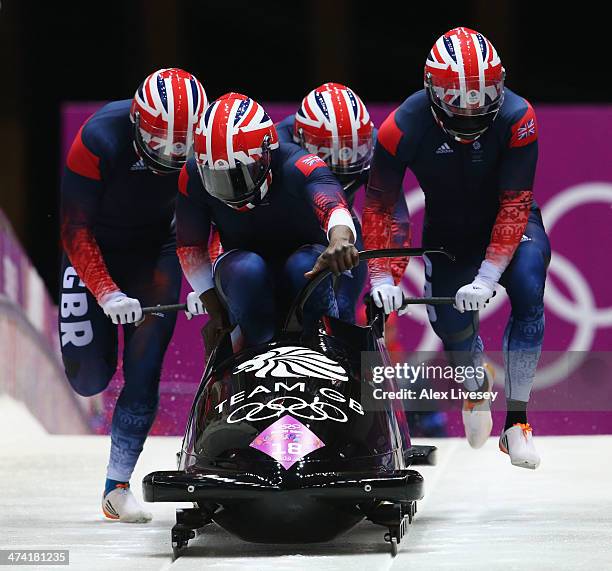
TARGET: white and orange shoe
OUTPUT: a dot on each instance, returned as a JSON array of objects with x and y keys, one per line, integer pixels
[
  {"x": 517, "y": 442},
  {"x": 476, "y": 415},
  {"x": 121, "y": 505}
]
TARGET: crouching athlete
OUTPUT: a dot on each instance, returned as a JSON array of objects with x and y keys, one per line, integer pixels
[
  {"x": 281, "y": 218},
  {"x": 472, "y": 145},
  {"x": 118, "y": 197},
  {"x": 334, "y": 124}
]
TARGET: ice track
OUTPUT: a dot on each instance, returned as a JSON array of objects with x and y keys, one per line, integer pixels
[{"x": 479, "y": 512}]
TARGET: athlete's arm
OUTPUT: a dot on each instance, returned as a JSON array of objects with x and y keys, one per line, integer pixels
[
  {"x": 386, "y": 221},
  {"x": 400, "y": 237},
  {"x": 333, "y": 214},
  {"x": 192, "y": 234},
  {"x": 81, "y": 193},
  {"x": 517, "y": 173}
]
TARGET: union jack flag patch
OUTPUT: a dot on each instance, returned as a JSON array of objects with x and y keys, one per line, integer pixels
[
  {"x": 525, "y": 131},
  {"x": 308, "y": 163}
]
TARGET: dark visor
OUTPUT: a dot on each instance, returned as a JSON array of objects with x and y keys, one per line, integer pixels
[{"x": 237, "y": 185}]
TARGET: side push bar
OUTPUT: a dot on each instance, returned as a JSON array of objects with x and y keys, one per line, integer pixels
[
  {"x": 164, "y": 308},
  {"x": 296, "y": 310}
]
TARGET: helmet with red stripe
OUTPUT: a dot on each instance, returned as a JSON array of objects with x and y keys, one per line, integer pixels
[
  {"x": 233, "y": 147},
  {"x": 334, "y": 124},
  {"x": 165, "y": 110},
  {"x": 232, "y": 95},
  {"x": 464, "y": 79}
]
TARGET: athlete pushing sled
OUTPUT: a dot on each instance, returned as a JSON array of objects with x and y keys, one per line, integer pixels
[
  {"x": 472, "y": 144},
  {"x": 118, "y": 194}
]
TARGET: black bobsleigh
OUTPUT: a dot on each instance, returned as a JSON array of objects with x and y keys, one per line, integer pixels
[{"x": 286, "y": 443}]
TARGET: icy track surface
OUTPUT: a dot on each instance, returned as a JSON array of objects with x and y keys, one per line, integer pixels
[{"x": 479, "y": 512}]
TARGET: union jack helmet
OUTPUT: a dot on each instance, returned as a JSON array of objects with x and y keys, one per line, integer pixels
[
  {"x": 464, "y": 79},
  {"x": 233, "y": 147},
  {"x": 165, "y": 110},
  {"x": 232, "y": 95},
  {"x": 334, "y": 124}
]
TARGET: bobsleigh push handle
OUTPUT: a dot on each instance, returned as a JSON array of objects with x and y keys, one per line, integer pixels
[
  {"x": 294, "y": 317},
  {"x": 164, "y": 308}
]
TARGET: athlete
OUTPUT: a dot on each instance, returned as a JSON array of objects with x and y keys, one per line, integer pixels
[
  {"x": 334, "y": 124},
  {"x": 281, "y": 218},
  {"x": 117, "y": 228},
  {"x": 472, "y": 144}
]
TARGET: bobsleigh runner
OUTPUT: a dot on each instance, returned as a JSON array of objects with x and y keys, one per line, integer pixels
[{"x": 285, "y": 443}]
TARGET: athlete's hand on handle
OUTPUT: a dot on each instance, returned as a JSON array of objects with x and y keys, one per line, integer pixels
[
  {"x": 388, "y": 296},
  {"x": 474, "y": 296},
  {"x": 121, "y": 308},
  {"x": 218, "y": 323},
  {"x": 339, "y": 256},
  {"x": 195, "y": 306}
]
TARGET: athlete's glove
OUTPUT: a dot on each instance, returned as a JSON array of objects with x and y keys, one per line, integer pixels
[
  {"x": 474, "y": 296},
  {"x": 194, "y": 305},
  {"x": 121, "y": 308},
  {"x": 388, "y": 297}
]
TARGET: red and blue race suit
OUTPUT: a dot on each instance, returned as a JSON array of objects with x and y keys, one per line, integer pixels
[
  {"x": 118, "y": 234},
  {"x": 478, "y": 205},
  {"x": 267, "y": 249},
  {"x": 348, "y": 290}
]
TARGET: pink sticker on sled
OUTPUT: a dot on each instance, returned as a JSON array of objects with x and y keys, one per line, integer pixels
[{"x": 287, "y": 440}]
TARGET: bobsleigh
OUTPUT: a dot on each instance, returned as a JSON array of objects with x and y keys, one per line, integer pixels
[{"x": 285, "y": 442}]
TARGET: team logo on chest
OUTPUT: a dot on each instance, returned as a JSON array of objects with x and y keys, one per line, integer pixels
[{"x": 477, "y": 152}]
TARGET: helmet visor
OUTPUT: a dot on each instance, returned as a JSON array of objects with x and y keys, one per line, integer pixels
[
  {"x": 343, "y": 154},
  {"x": 237, "y": 185},
  {"x": 160, "y": 147},
  {"x": 466, "y": 97}
]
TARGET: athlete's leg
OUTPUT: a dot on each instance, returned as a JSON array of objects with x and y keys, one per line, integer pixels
[
  {"x": 153, "y": 278},
  {"x": 323, "y": 300},
  {"x": 524, "y": 282},
  {"x": 88, "y": 338},
  {"x": 244, "y": 282},
  {"x": 459, "y": 335},
  {"x": 457, "y": 331}
]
